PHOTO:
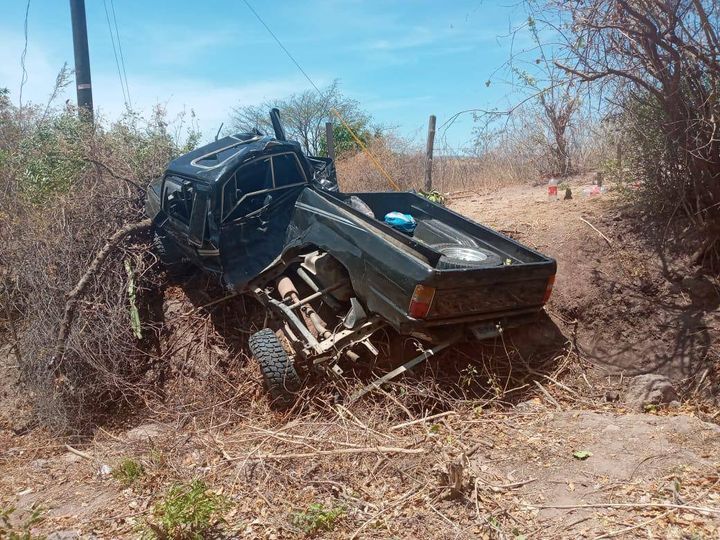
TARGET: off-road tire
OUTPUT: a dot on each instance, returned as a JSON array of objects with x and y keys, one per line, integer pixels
[
  {"x": 450, "y": 262},
  {"x": 169, "y": 255},
  {"x": 279, "y": 375}
]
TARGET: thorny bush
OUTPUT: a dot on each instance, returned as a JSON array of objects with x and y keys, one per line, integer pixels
[
  {"x": 656, "y": 66},
  {"x": 67, "y": 187}
]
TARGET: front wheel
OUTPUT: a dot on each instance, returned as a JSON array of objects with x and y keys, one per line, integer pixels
[
  {"x": 279, "y": 374},
  {"x": 169, "y": 255}
]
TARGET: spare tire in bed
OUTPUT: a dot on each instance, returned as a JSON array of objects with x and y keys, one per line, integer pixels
[{"x": 455, "y": 256}]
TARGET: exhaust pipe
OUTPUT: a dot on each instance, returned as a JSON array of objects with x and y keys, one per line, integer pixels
[
  {"x": 277, "y": 126},
  {"x": 287, "y": 291}
]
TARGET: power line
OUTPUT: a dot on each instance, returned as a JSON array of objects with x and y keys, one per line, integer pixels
[
  {"x": 357, "y": 139},
  {"x": 122, "y": 57},
  {"x": 24, "y": 77},
  {"x": 282, "y": 46},
  {"x": 117, "y": 62}
]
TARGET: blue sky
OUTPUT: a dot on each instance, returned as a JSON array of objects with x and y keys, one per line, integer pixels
[{"x": 402, "y": 60}]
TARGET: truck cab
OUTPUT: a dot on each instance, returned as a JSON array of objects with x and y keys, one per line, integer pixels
[{"x": 221, "y": 198}]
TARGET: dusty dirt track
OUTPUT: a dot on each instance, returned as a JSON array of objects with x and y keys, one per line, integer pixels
[{"x": 497, "y": 460}]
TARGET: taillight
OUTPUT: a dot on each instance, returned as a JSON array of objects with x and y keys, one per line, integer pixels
[
  {"x": 548, "y": 288},
  {"x": 421, "y": 301}
]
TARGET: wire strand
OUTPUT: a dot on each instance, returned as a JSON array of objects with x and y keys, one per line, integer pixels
[
  {"x": 122, "y": 56},
  {"x": 357, "y": 139},
  {"x": 117, "y": 62},
  {"x": 24, "y": 77}
]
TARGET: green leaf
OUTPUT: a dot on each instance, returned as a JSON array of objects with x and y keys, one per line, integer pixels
[{"x": 582, "y": 454}]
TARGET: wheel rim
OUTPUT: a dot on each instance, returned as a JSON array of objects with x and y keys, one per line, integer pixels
[{"x": 465, "y": 254}]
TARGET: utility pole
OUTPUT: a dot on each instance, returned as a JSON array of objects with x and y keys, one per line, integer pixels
[{"x": 82, "y": 60}]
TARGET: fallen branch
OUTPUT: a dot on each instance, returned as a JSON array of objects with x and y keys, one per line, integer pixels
[
  {"x": 366, "y": 450},
  {"x": 513, "y": 485},
  {"x": 627, "y": 505},
  {"x": 548, "y": 396},
  {"x": 79, "y": 453},
  {"x": 421, "y": 420},
  {"x": 79, "y": 289},
  {"x": 641, "y": 525},
  {"x": 597, "y": 231}
]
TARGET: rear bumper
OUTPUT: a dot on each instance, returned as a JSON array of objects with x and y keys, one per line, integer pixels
[{"x": 471, "y": 326}]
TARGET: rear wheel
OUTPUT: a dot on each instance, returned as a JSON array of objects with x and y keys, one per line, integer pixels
[{"x": 279, "y": 374}]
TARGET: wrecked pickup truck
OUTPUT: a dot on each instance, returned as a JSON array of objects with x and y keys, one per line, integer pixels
[{"x": 271, "y": 222}]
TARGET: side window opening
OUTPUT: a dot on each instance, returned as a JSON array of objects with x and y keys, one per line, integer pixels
[
  {"x": 178, "y": 199},
  {"x": 287, "y": 170},
  {"x": 198, "y": 219},
  {"x": 238, "y": 198},
  {"x": 255, "y": 176},
  {"x": 229, "y": 196},
  {"x": 244, "y": 193}
]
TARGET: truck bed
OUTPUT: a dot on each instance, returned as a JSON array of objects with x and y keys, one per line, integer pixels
[{"x": 393, "y": 263}]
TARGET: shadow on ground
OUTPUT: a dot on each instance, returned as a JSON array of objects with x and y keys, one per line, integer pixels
[{"x": 654, "y": 312}]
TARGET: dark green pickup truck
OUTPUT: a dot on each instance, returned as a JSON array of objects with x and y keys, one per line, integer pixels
[{"x": 270, "y": 221}]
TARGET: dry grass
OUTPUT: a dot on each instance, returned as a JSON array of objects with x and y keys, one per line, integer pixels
[
  {"x": 406, "y": 166},
  {"x": 516, "y": 156}
]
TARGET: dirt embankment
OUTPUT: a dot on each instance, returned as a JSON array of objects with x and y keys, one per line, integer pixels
[
  {"x": 526, "y": 437},
  {"x": 623, "y": 291}
]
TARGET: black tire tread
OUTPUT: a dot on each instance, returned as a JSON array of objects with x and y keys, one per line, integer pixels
[
  {"x": 280, "y": 377},
  {"x": 170, "y": 257}
]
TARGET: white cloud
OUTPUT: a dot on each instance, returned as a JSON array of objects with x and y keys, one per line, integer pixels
[{"x": 212, "y": 103}]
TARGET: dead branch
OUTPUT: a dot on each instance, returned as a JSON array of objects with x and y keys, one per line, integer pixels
[
  {"x": 421, "y": 420},
  {"x": 597, "y": 231},
  {"x": 74, "y": 295},
  {"x": 628, "y": 505},
  {"x": 337, "y": 451},
  {"x": 548, "y": 396},
  {"x": 112, "y": 173},
  {"x": 79, "y": 453}
]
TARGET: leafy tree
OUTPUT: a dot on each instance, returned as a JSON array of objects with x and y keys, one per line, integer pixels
[
  {"x": 344, "y": 141},
  {"x": 304, "y": 116}
]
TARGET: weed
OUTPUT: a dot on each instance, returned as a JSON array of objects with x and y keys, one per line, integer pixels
[
  {"x": 128, "y": 471},
  {"x": 317, "y": 518},
  {"x": 433, "y": 196},
  {"x": 23, "y": 531},
  {"x": 158, "y": 458},
  {"x": 469, "y": 376},
  {"x": 187, "y": 512}
]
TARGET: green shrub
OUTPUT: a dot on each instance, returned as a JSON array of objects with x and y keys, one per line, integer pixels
[
  {"x": 187, "y": 512},
  {"x": 317, "y": 518},
  {"x": 128, "y": 472},
  {"x": 22, "y": 531}
]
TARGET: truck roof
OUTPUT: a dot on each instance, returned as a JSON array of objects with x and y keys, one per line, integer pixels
[{"x": 211, "y": 162}]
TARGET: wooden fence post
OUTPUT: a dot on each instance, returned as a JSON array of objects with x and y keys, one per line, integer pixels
[
  {"x": 330, "y": 140},
  {"x": 429, "y": 153}
]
